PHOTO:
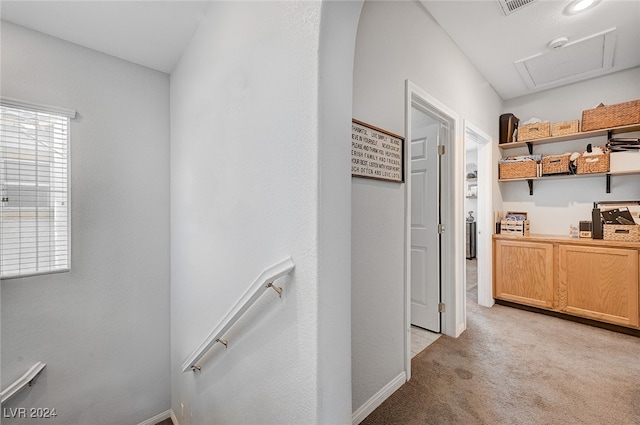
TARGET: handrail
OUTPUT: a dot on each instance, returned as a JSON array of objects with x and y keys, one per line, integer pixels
[
  {"x": 262, "y": 283},
  {"x": 20, "y": 383}
]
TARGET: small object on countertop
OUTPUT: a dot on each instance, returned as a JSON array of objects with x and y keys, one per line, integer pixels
[
  {"x": 585, "y": 229},
  {"x": 573, "y": 231}
]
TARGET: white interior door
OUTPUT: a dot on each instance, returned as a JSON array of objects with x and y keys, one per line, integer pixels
[{"x": 425, "y": 239}]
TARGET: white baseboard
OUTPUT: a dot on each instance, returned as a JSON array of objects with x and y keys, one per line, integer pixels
[
  {"x": 377, "y": 399},
  {"x": 461, "y": 328},
  {"x": 159, "y": 418},
  {"x": 174, "y": 418}
]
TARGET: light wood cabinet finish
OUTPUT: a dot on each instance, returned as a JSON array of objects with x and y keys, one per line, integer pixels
[
  {"x": 524, "y": 272},
  {"x": 600, "y": 283},
  {"x": 589, "y": 278}
]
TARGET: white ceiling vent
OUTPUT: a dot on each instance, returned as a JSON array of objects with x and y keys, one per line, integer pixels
[
  {"x": 585, "y": 58},
  {"x": 510, "y": 6}
]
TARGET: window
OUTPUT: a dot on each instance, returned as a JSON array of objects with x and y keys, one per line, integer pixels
[{"x": 34, "y": 187}]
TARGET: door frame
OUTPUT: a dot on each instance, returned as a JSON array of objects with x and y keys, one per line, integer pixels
[
  {"x": 453, "y": 321},
  {"x": 485, "y": 213}
]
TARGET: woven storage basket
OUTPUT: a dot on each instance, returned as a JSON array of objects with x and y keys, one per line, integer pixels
[
  {"x": 534, "y": 131},
  {"x": 555, "y": 164},
  {"x": 517, "y": 170},
  {"x": 621, "y": 232},
  {"x": 565, "y": 127},
  {"x": 626, "y": 113},
  {"x": 593, "y": 164}
]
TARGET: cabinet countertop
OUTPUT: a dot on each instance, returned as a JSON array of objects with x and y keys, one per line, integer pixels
[{"x": 569, "y": 240}]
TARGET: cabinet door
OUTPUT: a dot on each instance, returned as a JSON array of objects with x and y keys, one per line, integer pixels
[
  {"x": 524, "y": 272},
  {"x": 599, "y": 283}
]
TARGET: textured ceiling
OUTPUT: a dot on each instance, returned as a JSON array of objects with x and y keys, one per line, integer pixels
[
  {"x": 154, "y": 33},
  {"x": 150, "y": 33},
  {"x": 495, "y": 42}
]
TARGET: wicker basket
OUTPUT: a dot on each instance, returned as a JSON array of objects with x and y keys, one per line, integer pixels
[
  {"x": 626, "y": 113},
  {"x": 517, "y": 170},
  {"x": 555, "y": 164},
  {"x": 565, "y": 127},
  {"x": 534, "y": 131},
  {"x": 621, "y": 232},
  {"x": 593, "y": 164}
]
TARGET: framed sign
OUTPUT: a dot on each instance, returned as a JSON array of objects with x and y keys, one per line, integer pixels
[{"x": 376, "y": 153}]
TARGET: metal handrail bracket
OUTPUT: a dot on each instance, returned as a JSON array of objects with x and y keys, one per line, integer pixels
[
  {"x": 262, "y": 283},
  {"x": 22, "y": 382}
]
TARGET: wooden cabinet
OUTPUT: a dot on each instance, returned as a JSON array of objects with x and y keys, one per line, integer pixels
[
  {"x": 524, "y": 272},
  {"x": 589, "y": 278},
  {"x": 599, "y": 283}
]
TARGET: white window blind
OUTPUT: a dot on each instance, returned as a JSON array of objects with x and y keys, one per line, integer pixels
[{"x": 34, "y": 185}]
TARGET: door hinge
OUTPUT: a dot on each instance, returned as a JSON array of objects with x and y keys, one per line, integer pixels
[
  {"x": 440, "y": 228},
  {"x": 441, "y": 150},
  {"x": 440, "y": 307}
]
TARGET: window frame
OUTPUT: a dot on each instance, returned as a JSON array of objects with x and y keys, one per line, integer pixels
[{"x": 59, "y": 113}]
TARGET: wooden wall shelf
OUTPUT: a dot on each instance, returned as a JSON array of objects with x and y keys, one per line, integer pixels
[
  {"x": 574, "y": 136},
  {"x": 608, "y": 132}
]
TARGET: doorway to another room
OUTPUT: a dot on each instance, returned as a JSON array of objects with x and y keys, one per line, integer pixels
[
  {"x": 471, "y": 215},
  {"x": 477, "y": 218},
  {"x": 430, "y": 136},
  {"x": 478, "y": 215}
]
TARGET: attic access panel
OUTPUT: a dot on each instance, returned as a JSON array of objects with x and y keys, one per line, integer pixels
[{"x": 575, "y": 61}]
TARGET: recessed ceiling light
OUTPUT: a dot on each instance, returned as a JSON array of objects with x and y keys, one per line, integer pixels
[{"x": 578, "y": 6}]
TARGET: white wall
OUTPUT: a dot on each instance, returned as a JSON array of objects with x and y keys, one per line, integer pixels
[
  {"x": 556, "y": 204},
  {"x": 102, "y": 328},
  {"x": 398, "y": 41},
  {"x": 339, "y": 23},
  {"x": 249, "y": 132}
]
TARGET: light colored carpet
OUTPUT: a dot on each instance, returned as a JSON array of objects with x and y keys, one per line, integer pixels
[
  {"x": 517, "y": 367},
  {"x": 422, "y": 338}
]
